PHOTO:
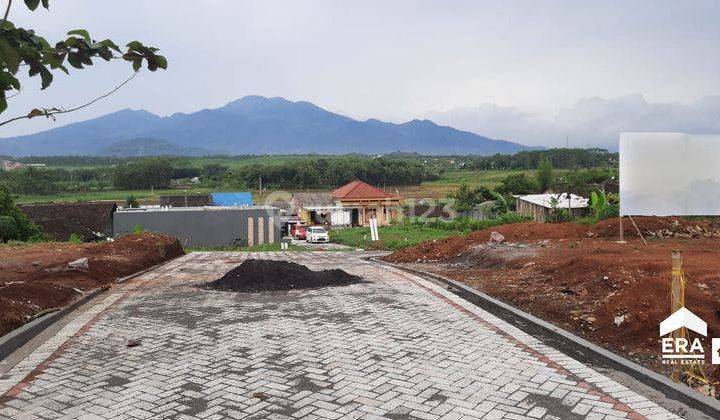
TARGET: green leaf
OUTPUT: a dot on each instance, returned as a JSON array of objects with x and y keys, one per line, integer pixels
[
  {"x": 3, "y": 102},
  {"x": 109, "y": 44},
  {"x": 9, "y": 55},
  {"x": 46, "y": 4},
  {"x": 46, "y": 77},
  {"x": 135, "y": 45},
  {"x": 81, "y": 32},
  {"x": 32, "y": 4},
  {"x": 42, "y": 42},
  {"x": 85, "y": 58},
  {"x": 75, "y": 60},
  {"x": 8, "y": 80},
  {"x": 137, "y": 63},
  {"x": 161, "y": 62}
]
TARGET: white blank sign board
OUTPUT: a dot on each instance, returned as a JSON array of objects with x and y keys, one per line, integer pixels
[{"x": 669, "y": 174}]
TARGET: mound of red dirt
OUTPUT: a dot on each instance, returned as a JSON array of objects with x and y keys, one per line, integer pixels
[
  {"x": 528, "y": 232},
  {"x": 35, "y": 278},
  {"x": 449, "y": 248},
  {"x": 266, "y": 275},
  {"x": 613, "y": 294},
  {"x": 582, "y": 279},
  {"x": 658, "y": 227}
]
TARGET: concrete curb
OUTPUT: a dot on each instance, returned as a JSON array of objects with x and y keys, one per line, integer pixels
[
  {"x": 570, "y": 344},
  {"x": 18, "y": 337}
]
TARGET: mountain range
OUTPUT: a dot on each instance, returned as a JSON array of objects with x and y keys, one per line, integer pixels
[{"x": 250, "y": 125}]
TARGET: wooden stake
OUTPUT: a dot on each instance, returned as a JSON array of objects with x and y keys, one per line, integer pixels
[
  {"x": 638, "y": 230},
  {"x": 677, "y": 288},
  {"x": 677, "y": 301},
  {"x": 622, "y": 231}
]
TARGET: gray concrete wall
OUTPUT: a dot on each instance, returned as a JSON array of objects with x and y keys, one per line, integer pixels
[{"x": 200, "y": 226}]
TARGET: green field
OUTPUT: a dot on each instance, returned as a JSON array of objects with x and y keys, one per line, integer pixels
[
  {"x": 449, "y": 182},
  {"x": 391, "y": 237},
  {"x": 116, "y": 195}
]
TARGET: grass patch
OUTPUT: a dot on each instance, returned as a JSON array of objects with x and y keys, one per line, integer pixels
[
  {"x": 391, "y": 237},
  {"x": 416, "y": 230}
]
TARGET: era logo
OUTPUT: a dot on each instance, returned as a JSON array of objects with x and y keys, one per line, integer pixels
[{"x": 680, "y": 349}]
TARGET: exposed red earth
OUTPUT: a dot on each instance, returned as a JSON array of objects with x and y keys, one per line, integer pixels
[
  {"x": 35, "y": 278},
  {"x": 579, "y": 277}
]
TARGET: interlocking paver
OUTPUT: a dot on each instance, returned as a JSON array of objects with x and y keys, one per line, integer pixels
[{"x": 396, "y": 346}]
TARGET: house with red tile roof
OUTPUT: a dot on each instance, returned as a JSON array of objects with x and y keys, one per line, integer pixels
[{"x": 364, "y": 202}]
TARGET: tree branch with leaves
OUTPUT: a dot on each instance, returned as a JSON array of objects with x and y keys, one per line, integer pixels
[{"x": 22, "y": 48}]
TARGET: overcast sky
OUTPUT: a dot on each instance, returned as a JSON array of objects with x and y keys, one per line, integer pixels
[{"x": 529, "y": 71}]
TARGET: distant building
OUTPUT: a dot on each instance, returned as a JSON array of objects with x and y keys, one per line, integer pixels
[
  {"x": 240, "y": 198},
  {"x": 9, "y": 165},
  {"x": 540, "y": 206},
  {"x": 365, "y": 202},
  {"x": 205, "y": 226},
  {"x": 319, "y": 208},
  {"x": 92, "y": 221},
  {"x": 192, "y": 200}
]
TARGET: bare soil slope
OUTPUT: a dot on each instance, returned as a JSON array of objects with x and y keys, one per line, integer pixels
[
  {"x": 581, "y": 279},
  {"x": 35, "y": 278}
]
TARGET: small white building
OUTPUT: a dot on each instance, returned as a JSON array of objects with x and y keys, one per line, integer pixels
[{"x": 539, "y": 206}]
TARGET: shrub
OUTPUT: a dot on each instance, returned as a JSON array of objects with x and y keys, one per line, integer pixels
[
  {"x": 465, "y": 224},
  {"x": 604, "y": 206},
  {"x": 8, "y": 230},
  {"x": 15, "y": 226},
  {"x": 544, "y": 175},
  {"x": 75, "y": 238},
  {"x": 138, "y": 229},
  {"x": 517, "y": 184},
  {"x": 132, "y": 202}
]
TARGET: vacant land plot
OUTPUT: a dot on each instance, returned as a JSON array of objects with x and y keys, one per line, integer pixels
[{"x": 581, "y": 279}]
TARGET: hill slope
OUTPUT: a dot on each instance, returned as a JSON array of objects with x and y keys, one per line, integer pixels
[{"x": 254, "y": 125}]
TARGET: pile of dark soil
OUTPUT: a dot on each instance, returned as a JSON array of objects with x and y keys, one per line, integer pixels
[{"x": 266, "y": 275}]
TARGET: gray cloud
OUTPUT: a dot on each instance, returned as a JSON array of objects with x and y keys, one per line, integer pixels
[{"x": 589, "y": 122}]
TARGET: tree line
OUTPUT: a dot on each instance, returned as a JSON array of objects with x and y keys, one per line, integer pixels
[
  {"x": 325, "y": 173},
  {"x": 159, "y": 173},
  {"x": 558, "y": 158},
  {"x": 583, "y": 182}
]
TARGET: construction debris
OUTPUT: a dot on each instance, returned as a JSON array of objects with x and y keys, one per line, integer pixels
[
  {"x": 496, "y": 238},
  {"x": 79, "y": 264}
]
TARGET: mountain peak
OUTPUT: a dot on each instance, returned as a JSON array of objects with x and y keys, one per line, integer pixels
[{"x": 253, "y": 124}]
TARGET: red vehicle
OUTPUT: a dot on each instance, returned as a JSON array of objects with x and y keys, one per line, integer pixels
[{"x": 298, "y": 231}]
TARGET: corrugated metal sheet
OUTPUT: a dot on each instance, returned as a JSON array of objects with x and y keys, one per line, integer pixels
[{"x": 241, "y": 198}]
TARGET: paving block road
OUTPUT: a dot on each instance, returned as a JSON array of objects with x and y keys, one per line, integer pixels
[{"x": 396, "y": 346}]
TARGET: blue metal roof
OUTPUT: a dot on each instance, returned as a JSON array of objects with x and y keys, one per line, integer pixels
[{"x": 242, "y": 198}]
